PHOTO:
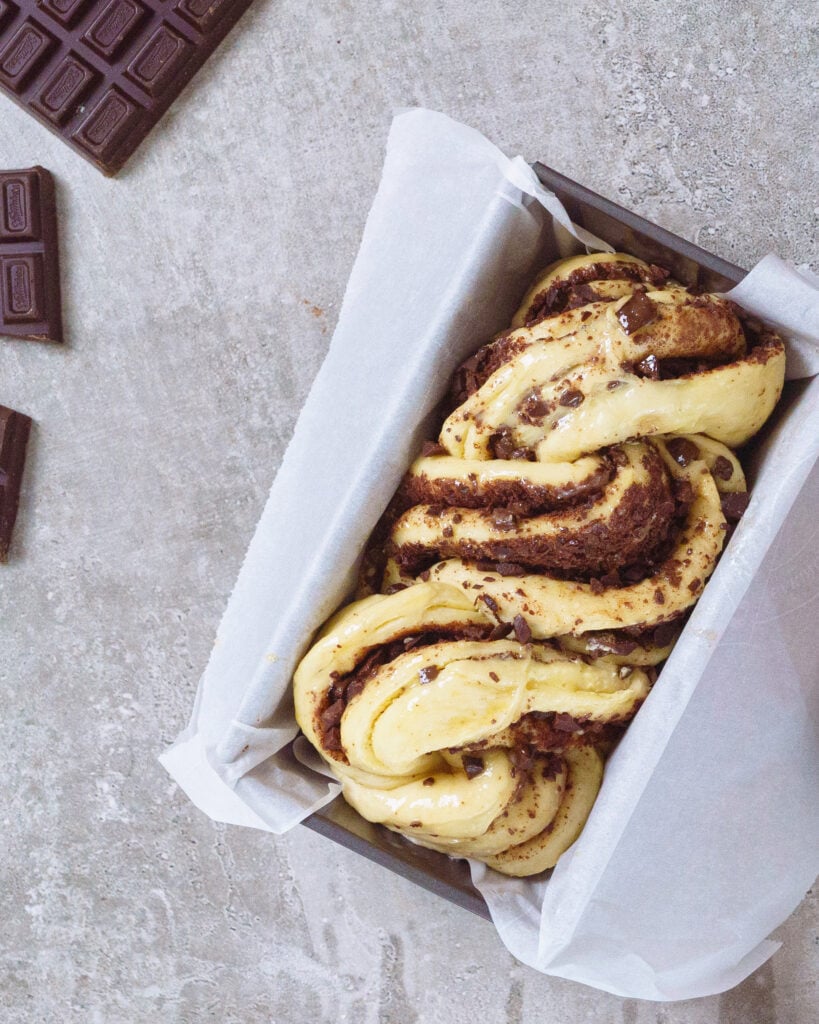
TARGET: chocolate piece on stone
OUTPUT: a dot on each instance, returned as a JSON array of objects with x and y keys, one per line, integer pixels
[
  {"x": 14, "y": 431},
  {"x": 29, "y": 260}
]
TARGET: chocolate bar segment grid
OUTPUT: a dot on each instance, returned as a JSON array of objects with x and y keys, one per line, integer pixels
[
  {"x": 29, "y": 261},
  {"x": 101, "y": 73}
]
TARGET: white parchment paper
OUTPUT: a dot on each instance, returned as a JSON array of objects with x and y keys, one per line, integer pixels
[{"x": 706, "y": 832}]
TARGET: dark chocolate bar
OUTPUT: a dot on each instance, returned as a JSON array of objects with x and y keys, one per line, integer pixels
[
  {"x": 14, "y": 431},
  {"x": 29, "y": 260},
  {"x": 101, "y": 73}
]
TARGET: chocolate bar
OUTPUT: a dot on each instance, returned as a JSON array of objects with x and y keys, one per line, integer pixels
[
  {"x": 14, "y": 431},
  {"x": 29, "y": 263},
  {"x": 101, "y": 73}
]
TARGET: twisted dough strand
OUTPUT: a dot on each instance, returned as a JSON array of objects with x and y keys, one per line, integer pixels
[{"x": 538, "y": 561}]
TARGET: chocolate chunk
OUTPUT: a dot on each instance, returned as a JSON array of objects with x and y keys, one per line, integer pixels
[
  {"x": 659, "y": 596},
  {"x": 29, "y": 267},
  {"x": 473, "y": 766},
  {"x": 354, "y": 688},
  {"x": 510, "y": 569},
  {"x": 331, "y": 739},
  {"x": 428, "y": 782},
  {"x": 428, "y": 673},
  {"x": 503, "y": 519},
  {"x": 571, "y": 398},
  {"x": 501, "y": 631},
  {"x": 494, "y": 676},
  {"x": 565, "y": 723},
  {"x": 638, "y": 312},
  {"x": 610, "y": 643},
  {"x": 490, "y": 603},
  {"x": 534, "y": 407},
  {"x": 684, "y": 494},
  {"x": 734, "y": 505},
  {"x": 502, "y": 443},
  {"x": 682, "y": 450},
  {"x": 552, "y": 766},
  {"x": 648, "y": 367},
  {"x": 664, "y": 634},
  {"x": 14, "y": 432},
  {"x": 523, "y": 633},
  {"x": 581, "y": 295},
  {"x": 331, "y": 715},
  {"x": 101, "y": 73},
  {"x": 432, "y": 448},
  {"x": 722, "y": 468},
  {"x": 522, "y": 759}
]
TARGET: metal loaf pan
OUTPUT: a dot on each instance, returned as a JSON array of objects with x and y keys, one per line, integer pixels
[{"x": 692, "y": 266}]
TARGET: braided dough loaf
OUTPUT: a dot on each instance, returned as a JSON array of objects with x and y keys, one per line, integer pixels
[{"x": 538, "y": 561}]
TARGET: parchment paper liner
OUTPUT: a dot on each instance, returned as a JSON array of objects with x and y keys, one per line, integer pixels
[{"x": 706, "y": 832}]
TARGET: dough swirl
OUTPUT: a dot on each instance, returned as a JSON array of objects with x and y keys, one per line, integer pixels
[{"x": 538, "y": 561}]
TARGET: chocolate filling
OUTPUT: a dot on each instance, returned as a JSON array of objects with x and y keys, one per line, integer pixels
[
  {"x": 638, "y": 527},
  {"x": 519, "y": 496},
  {"x": 638, "y": 536},
  {"x": 503, "y": 445},
  {"x": 556, "y": 298},
  {"x": 555, "y": 732},
  {"x": 476, "y": 371},
  {"x": 343, "y": 688}
]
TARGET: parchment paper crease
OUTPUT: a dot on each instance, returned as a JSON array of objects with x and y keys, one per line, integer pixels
[{"x": 706, "y": 833}]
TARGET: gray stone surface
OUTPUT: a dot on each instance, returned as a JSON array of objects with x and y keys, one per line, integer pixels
[{"x": 201, "y": 288}]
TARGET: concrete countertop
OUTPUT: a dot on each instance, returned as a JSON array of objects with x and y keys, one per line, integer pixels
[{"x": 201, "y": 288}]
